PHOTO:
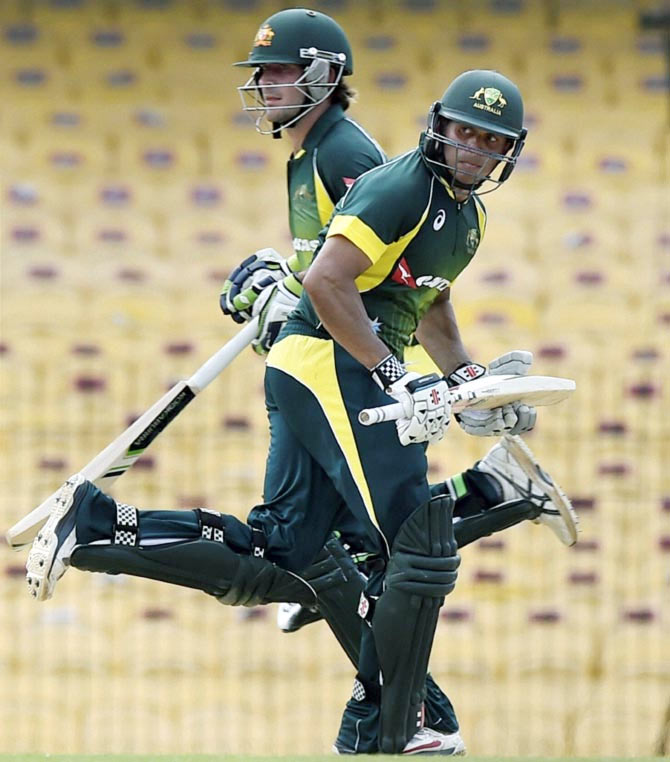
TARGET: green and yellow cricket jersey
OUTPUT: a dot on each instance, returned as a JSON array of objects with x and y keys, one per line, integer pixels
[
  {"x": 335, "y": 152},
  {"x": 418, "y": 238}
]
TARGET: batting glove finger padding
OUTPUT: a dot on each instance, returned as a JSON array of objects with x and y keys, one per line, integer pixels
[
  {"x": 487, "y": 423},
  {"x": 273, "y": 306},
  {"x": 249, "y": 279},
  {"x": 514, "y": 363},
  {"x": 517, "y": 362},
  {"x": 425, "y": 400},
  {"x": 526, "y": 416}
]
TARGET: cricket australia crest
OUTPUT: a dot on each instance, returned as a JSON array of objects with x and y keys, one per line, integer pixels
[
  {"x": 264, "y": 36},
  {"x": 489, "y": 99}
]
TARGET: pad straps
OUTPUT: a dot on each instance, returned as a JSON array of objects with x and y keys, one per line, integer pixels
[
  {"x": 211, "y": 525},
  {"x": 126, "y": 526}
]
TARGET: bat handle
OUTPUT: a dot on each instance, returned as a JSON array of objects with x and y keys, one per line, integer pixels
[
  {"x": 392, "y": 412},
  {"x": 219, "y": 361},
  {"x": 372, "y": 415}
]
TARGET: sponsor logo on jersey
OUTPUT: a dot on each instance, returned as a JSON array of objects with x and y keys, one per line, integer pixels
[
  {"x": 403, "y": 275},
  {"x": 489, "y": 99},
  {"x": 440, "y": 217},
  {"x": 472, "y": 241},
  {"x": 305, "y": 244},
  {"x": 433, "y": 281},
  {"x": 348, "y": 181},
  {"x": 264, "y": 36}
]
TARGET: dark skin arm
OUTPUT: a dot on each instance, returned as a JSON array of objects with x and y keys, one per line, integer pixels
[
  {"x": 330, "y": 285},
  {"x": 439, "y": 335}
]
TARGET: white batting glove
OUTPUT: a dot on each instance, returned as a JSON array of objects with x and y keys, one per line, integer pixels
[
  {"x": 425, "y": 400},
  {"x": 273, "y": 305},
  {"x": 517, "y": 362},
  {"x": 514, "y": 363},
  {"x": 249, "y": 279},
  {"x": 515, "y": 418}
]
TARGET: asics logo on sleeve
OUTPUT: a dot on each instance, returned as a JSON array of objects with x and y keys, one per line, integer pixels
[{"x": 440, "y": 217}]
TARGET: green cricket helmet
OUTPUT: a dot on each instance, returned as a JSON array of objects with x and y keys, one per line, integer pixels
[
  {"x": 305, "y": 38},
  {"x": 486, "y": 100}
]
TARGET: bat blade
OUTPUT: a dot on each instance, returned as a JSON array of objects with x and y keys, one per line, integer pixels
[
  {"x": 488, "y": 392},
  {"x": 495, "y": 391},
  {"x": 114, "y": 460},
  {"x": 124, "y": 451}
]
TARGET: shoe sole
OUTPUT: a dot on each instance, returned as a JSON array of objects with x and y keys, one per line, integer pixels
[
  {"x": 520, "y": 451},
  {"x": 45, "y": 547},
  {"x": 455, "y": 752}
]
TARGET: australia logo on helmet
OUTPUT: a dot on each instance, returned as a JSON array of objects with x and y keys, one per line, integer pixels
[
  {"x": 489, "y": 99},
  {"x": 264, "y": 36}
]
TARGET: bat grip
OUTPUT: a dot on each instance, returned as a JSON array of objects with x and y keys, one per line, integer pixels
[
  {"x": 372, "y": 415},
  {"x": 217, "y": 362}
]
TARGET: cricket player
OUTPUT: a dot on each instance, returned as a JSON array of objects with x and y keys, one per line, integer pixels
[
  {"x": 290, "y": 96},
  {"x": 315, "y": 477}
]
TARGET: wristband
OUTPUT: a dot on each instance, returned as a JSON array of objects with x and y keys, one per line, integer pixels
[
  {"x": 387, "y": 372},
  {"x": 466, "y": 371}
]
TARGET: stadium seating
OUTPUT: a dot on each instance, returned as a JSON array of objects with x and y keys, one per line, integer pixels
[{"x": 132, "y": 184}]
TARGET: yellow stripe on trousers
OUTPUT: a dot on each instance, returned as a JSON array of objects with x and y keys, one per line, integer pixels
[{"x": 311, "y": 362}]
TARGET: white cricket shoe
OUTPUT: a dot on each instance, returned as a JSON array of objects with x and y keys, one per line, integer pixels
[
  {"x": 427, "y": 741},
  {"x": 520, "y": 476},
  {"x": 50, "y": 553}
]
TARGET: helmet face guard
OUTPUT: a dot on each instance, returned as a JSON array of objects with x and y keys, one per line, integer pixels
[
  {"x": 433, "y": 152},
  {"x": 314, "y": 84}
]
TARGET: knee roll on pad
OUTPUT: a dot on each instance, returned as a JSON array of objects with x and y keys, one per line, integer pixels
[
  {"x": 233, "y": 578},
  {"x": 338, "y": 585},
  {"x": 421, "y": 571}
]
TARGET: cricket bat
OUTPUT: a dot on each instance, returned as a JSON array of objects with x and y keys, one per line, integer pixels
[
  {"x": 123, "y": 452},
  {"x": 487, "y": 392}
]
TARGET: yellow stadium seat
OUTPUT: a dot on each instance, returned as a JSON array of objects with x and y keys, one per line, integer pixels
[
  {"x": 65, "y": 157},
  {"x": 133, "y": 183},
  {"x": 115, "y": 234},
  {"x": 27, "y": 234},
  {"x": 158, "y": 158}
]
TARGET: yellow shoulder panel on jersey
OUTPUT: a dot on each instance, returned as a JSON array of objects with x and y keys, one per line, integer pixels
[
  {"x": 355, "y": 230},
  {"x": 382, "y": 255},
  {"x": 323, "y": 200},
  {"x": 481, "y": 216}
]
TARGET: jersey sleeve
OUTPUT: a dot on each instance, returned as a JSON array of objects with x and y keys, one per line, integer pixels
[{"x": 380, "y": 209}]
